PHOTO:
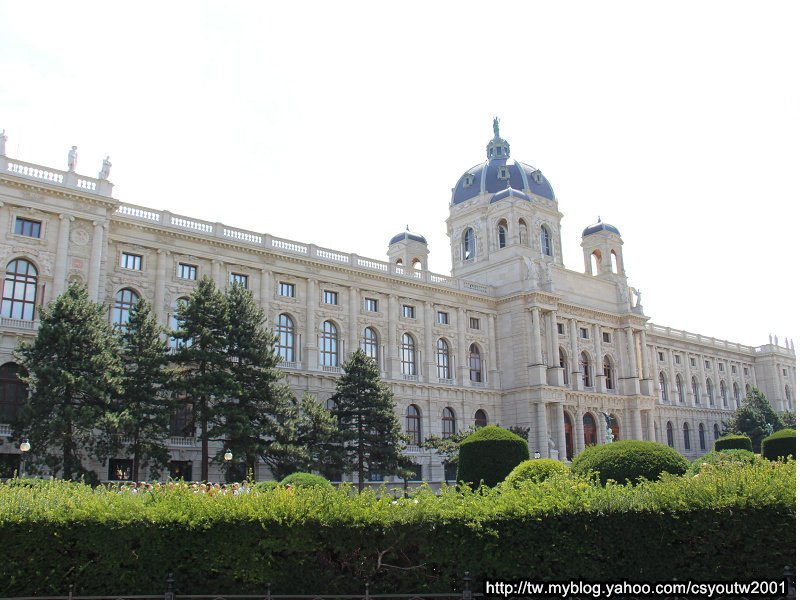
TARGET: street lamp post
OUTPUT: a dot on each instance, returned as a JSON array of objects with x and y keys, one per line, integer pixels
[
  {"x": 24, "y": 447},
  {"x": 536, "y": 454},
  {"x": 228, "y": 456}
]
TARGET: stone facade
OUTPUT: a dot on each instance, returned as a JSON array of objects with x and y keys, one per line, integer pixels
[{"x": 511, "y": 337}]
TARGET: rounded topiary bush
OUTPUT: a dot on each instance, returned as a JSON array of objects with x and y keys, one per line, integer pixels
[
  {"x": 733, "y": 442},
  {"x": 305, "y": 480},
  {"x": 535, "y": 470},
  {"x": 780, "y": 444},
  {"x": 738, "y": 456},
  {"x": 489, "y": 455},
  {"x": 265, "y": 486},
  {"x": 629, "y": 460}
]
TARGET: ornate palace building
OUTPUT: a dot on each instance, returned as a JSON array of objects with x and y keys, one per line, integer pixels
[{"x": 510, "y": 336}]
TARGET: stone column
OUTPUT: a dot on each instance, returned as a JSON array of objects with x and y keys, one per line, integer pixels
[
  {"x": 580, "y": 434},
  {"x": 672, "y": 384},
  {"x": 632, "y": 370},
  {"x": 62, "y": 255},
  {"x": 492, "y": 352},
  {"x": 161, "y": 275},
  {"x": 717, "y": 395},
  {"x": 636, "y": 422},
  {"x": 577, "y": 381},
  {"x": 599, "y": 379},
  {"x": 648, "y": 422},
  {"x": 554, "y": 376},
  {"x": 561, "y": 441},
  {"x": 646, "y": 371},
  {"x": 536, "y": 336},
  {"x": 541, "y": 428},
  {"x": 353, "y": 329},
  {"x": 312, "y": 354},
  {"x": 392, "y": 369},
  {"x": 701, "y": 367},
  {"x": 428, "y": 370},
  {"x": 4, "y": 214},
  {"x": 94, "y": 262},
  {"x": 265, "y": 295},
  {"x": 215, "y": 273},
  {"x": 687, "y": 385},
  {"x": 461, "y": 366}
]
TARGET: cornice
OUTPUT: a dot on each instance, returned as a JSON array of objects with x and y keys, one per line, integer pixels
[{"x": 25, "y": 184}]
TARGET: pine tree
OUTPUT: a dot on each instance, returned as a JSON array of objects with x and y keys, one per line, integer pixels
[
  {"x": 202, "y": 370},
  {"x": 144, "y": 403},
  {"x": 754, "y": 418},
  {"x": 73, "y": 372},
  {"x": 369, "y": 436}
]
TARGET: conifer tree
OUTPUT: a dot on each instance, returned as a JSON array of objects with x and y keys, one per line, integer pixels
[
  {"x": 755, "y": 418},
  {"x": 202, "y": 370},
  {"x": 73, "y": 372},
  {"x": 369, "y": 436},
  {"x": 144, "y": 406}
]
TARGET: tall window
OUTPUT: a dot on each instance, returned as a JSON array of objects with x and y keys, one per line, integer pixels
[
  {"x": 670, "y": 435},
  {"x": 408, "y": 355},
  {"x": 547, "y": 242},
  {"x": 448, "y": 423},
  {"x": 695, "y": 391},
  {"x": 723, "y": 391},
  {"x": 716, "y": 431},
  {"x": 12, "y": 393},
  {"x": 701, "y": 429},
  {"x": 562, "y": 362},
  {"x": 710, "y": 391},
  {"x": 608, "y": 373},
  {"x": 480, "y": 418},
  {"x": 414, "y": 425},
  {"x": 284, "y": 329},
  {"x": 19, "y": 290},
  {"x": 737, "y": 394},
  {"x": 181, "y": 420},
  {"x": 679, "y": 386},
  {"x": 686, "y": 443},
  {"x": 175, "y": 323},
  {"x": 329, "y": 345},
  {"x": 369, "y": 343},
  {"x": 124, "y": 302},
  {"x": 475, "y": 373},
  {"x": 469, "y": 244},
  {"x": 502, "y": 234},
  {"x": 586, "y": 370},
  {"x": 443, "y": 359},
  {"x": 662, "y": 386},
  {"x": 589, "y": 430}
]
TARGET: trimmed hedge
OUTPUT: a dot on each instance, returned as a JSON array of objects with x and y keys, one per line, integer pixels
[
  {"x": 780, "y": 444},
  {"x": 733, "y": 442},
  {"x": 536, "y": 470},
  {"x": 489, "y": 455},
  {"x": 305, "y": 480},
  {"x": 628, "y": 460},
  {"x": 729, "y": 523},
  {"x": 738, "y": 456}
]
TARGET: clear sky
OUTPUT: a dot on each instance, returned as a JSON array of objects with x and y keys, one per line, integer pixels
[{"x": 338, "y": 123}]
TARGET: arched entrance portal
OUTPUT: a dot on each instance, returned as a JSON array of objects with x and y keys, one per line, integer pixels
[
  {"x": 589, "y": 430},
  {"x": 568, "y": 435}
]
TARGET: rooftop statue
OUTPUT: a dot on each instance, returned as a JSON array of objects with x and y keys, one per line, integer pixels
[
  {"x": 72, "y": 159},
  {"x": 106, "y": 168},
  {"x": 3, "y": 139},
  {"x": 496, "y": 126}
]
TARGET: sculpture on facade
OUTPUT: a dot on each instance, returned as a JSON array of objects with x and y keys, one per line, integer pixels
[
  {"x": 609, "y": 433},
  {"x": 638, "y": 295},
  {"x": 72, "y": 159},
  {"x": 105, "y": 169},
  {"x": 3, "y": 140}
]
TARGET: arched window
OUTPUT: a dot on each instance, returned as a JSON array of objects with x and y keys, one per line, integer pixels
[
  {"x": 608, "y": 373},
  {"x": 523, "y": 232},
  {"x": 12, "y": 393},
  {"x": 502, "y": 233},
  {"x": 568, "y": 436},
  {"x": 737, "y": 394},
  {"x": 329, "y": 345},
  {"x": 686, "y": 443},
  {"x": 480, "y": 418},
  {"x": 173, "y": 342},
  {"x": 414, "y": 425},
  {"x": 475, "y": 372},
  {"x": 416, "y": 264},
  {"x": 679, "y": 386},
  {"x": 586, "y": 370},
  {"x": 670, "y": 435},
  {"x": 589, "y": 430},
  {"x": 747, "y": 389},
  {"x": 562, "y": 362},
  {"x": 469, "y": 244},
  {"x": 614, "y": 262},
  {"x": 19, "y": 291},
  {"x": 443, "y": 359},
  {"x": 716, "y": 431},
  {"x": 448, "y": 423},
  {"x": 662, "y": 386},
  {"x": 702, "y": 431},
  {"x": 695, "y": 390},
  {"x": 723, "y": 392},
  {"x": 710, "y": 391},
  {"x": 124, "y": 302},
  {"x": 408, "y": 355},
  {"x": 284, "y": 328},
  {"x": 547, "y": 242},
  {"x": 594, "y": 261},
  {"x": 369, "y": 343}
]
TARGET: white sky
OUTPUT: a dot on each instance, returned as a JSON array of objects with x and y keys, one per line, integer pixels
[{"x": 338, "y": 123}]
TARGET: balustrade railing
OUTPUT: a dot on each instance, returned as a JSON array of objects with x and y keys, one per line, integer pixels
[{"x": 68, "y": 179}]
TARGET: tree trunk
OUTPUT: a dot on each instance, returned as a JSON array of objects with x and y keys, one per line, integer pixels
[
  {"x": 67, "y": 462},
  {"x": 204, "y": 440},
  {"x": 135, "y": 474}
]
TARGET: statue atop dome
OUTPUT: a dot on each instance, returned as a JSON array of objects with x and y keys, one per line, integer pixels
[{"x": 496, "y": 126}]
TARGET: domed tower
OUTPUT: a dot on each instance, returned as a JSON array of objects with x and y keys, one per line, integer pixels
[
  {"x": 602, "y": 250},
  {"x": 502, "y": 213},
  {"x": 409, "y": 249}
]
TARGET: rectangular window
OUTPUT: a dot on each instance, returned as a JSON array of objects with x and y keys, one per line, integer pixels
[
  {"x": 560, "y": 328},
  {"x": 187, "y": 271},
  {"x": 474, "y": 323},
  {"x": 584, "y": 333},
  {"x": 661, "y": 357},
  {"x": 130, "y": 261},
  {"x": 708, "y": 364},
  {"x": 180, "y": 469},
  {"x": 733, "y": 369},
  {"x": 677, "y": 359},
  {"x": 370, "y": 305},
  {"x": 693, "y": 362},
  {"x": 784, "y": 372},
  {"x": 721, "y": 367},
  {"x": 239, "y": 278},
  {"x": 120, "y": 469},
  {"x": 746, "y": 371},
  {"x": 286, "y": 289},
  {"x": 442, "y": 318},
  {"x": 330, "y": 297},
  {"x": 27, "y": 227},
  {"x": 408, "y": 311},
  {"x": 606, "y": 337}
]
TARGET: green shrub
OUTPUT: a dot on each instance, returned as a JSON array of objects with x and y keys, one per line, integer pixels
[
  {"x": 733, "y": 442},
  {"x": 780, "y": 444},
  {"x": 629, "y": 460},
  {"x": 265, "y": 486},
  {"x": 535, "y": 470},
  {"x": 489, "y": 454},
  {"x": 305, "y": 480},
  {"x": 737, "y": 456}
]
